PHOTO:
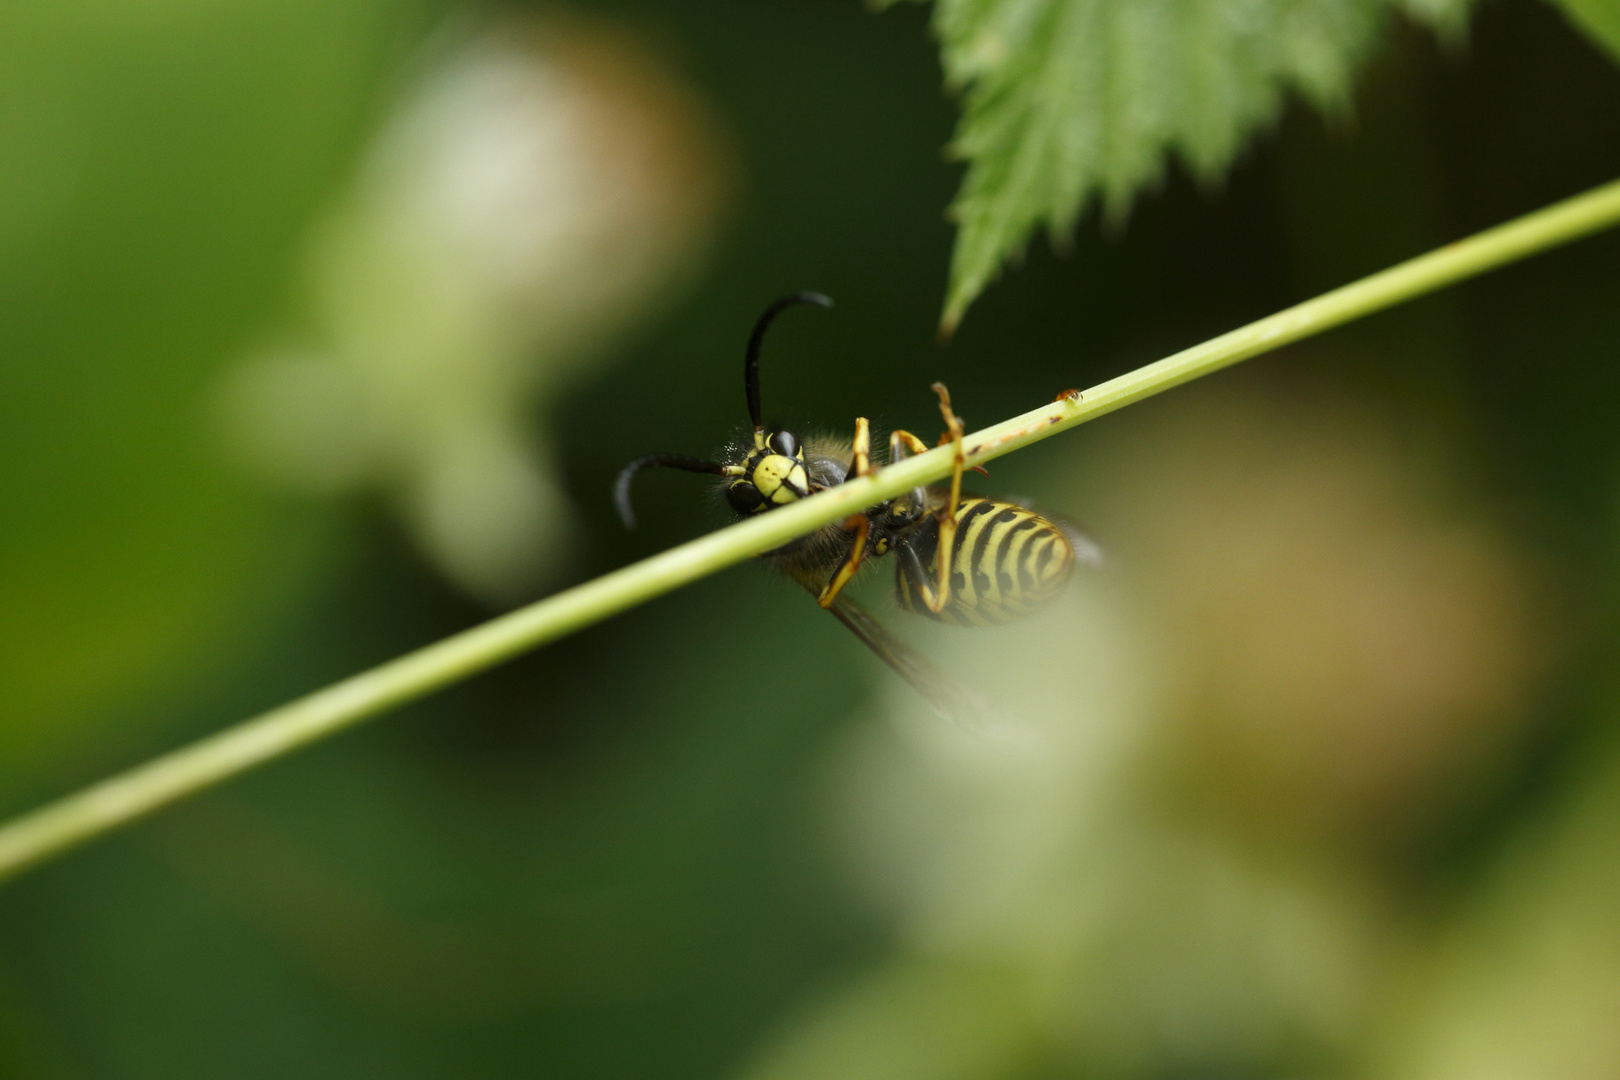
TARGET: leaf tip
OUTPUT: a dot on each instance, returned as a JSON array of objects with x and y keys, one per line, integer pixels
[{"x": 956, "y": 305}]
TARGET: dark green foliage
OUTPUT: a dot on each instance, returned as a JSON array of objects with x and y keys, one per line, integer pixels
[
  {"x": 1598, "y": 19},
  {"x": 605, "y": 861},
  {"x": 1066, "y": 101}
]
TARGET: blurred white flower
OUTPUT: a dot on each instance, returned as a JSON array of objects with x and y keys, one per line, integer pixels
[
  {"x": 537, "y": 192},
  {"x": 1161, "y": 874},
  {"x": 1352, "y": 644},
  {"x": 1527, "y": 984}
]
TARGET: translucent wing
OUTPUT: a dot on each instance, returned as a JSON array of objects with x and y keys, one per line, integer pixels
[{"x": 955, "y": 702}]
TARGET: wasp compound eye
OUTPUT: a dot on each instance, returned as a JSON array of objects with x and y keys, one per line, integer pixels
[
  {"x": 784, "y": 443},
  {"x": 744, "y": 497}
]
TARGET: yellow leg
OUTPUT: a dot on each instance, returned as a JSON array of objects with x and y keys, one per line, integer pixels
[
  {"x": 911, "y": 442},
  {"x": 917, "y": 446},
  {"x": 902, "y": 444},
  {"x": 863, "y": 448},
  {"x": 852, "y": 562},
  {"x": 947, "y": 516},
  {"x": 858, "y": 523}
]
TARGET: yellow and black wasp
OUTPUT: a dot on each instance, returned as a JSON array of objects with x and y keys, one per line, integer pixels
[{"x": 962, "y": 559}]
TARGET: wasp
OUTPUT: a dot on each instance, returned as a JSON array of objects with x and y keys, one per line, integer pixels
[{"x": 961, "y": 559}]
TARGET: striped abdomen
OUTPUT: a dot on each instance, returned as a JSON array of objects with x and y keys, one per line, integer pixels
[{"x": 1008, "y": 561}]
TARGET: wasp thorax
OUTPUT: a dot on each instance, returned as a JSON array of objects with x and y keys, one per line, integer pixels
[{"x": 773, "y": 475}]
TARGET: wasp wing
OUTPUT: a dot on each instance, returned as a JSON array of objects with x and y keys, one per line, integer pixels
[{"x": 955, "y": 702}]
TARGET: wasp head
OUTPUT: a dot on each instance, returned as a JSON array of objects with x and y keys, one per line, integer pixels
[{"x": 772, "y": 475}]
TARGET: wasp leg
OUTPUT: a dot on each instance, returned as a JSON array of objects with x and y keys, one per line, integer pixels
[
  {"x": 917, "y": 446},
  {"x": 947, "y": 516},
  {"x": 860, "y": 463},
  {"x": 902, "y": 444},
  {"x": 911, "y": 442},
  {"x": 852, "y": 562},
  {"x": 860, "y": 524}
]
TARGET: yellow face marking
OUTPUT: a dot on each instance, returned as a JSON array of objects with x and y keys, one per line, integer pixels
[{"x": 780, "y": 479}]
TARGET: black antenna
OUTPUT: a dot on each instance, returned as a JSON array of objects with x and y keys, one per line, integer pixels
[
  {"x": 621, "y": 486},
  {"x": 757, "y": 338}
]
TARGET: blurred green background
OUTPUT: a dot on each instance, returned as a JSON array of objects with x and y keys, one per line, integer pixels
[{"x": 324, "y": 328}]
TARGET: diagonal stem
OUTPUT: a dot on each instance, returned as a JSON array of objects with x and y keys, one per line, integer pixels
[{"x": 102, "y": 807}]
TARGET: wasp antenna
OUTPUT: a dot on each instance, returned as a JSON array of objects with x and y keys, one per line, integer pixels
[
  {"x": 757, "y": 338},
  {"x": 621, "y": 486}
]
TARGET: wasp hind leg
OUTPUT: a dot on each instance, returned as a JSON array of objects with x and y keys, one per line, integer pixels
[
  {"x": 940, "y": 595},
  {"x": 937, "y": 594},
  {"x": 860, "y": 524}
]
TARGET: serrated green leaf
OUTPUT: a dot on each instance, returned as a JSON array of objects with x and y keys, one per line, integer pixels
[
  {"x": 1599, "y": 20},
  {"x": 1070, "y": 101}
]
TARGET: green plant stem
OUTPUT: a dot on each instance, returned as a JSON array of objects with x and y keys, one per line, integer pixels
[{"x": 72, "y": 820}]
